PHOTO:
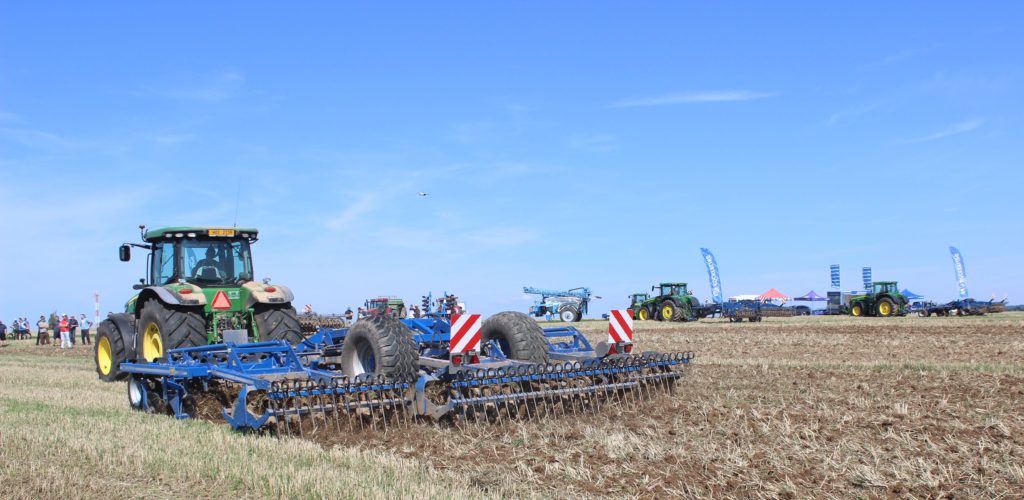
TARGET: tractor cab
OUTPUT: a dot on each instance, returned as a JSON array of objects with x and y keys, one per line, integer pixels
[
  {"x": 676, "y": 289},
  {"x": 206, "y": 257},
  {"x": 638, "y": 298},
  {"x": 377, "y": 305},
  {"x": 888, "y": 287}
]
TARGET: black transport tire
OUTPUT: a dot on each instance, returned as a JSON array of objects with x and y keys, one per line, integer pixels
[
  {"x": 381, "y": 345},
  {"x": 109, "y": 352},
  {"x": 275, "y": 322},
  {"x": 518, "y": 335},
  {"x": 568, "y": 313},
  {"x": 174, "y": 326}
]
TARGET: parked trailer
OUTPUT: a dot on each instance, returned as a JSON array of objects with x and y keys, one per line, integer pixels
[
  {"x": 384, "y": 372},
  {"x": 964, "y": 307}
]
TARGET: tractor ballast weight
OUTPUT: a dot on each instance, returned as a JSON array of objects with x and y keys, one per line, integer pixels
[
  {"x": 384, "y": 372},
  {"x": 568, "y": 305},
  {"x": 884, "y": 300},
  {"x": 198, "y": 290}
]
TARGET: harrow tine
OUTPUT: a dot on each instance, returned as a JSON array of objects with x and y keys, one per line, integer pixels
[{"x": 334, "y": 403}]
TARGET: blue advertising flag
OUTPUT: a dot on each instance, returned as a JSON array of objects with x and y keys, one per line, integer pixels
[
  {"x": 834, "y": 269},
  {"x": 961, "y": 272},
  {"x": 867, "y": 279},
  {"x": 713, "y": 279}
]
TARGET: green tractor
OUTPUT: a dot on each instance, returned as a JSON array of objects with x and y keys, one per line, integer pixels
[
  {"x": 674, "y": 302},
  {"x": 392, "y": 306},
  {"x": 884, "y": 300},
  {"x": 199, "y": 289}
]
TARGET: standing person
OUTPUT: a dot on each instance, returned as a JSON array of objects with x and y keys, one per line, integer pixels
[
  {"x": 65, "y": 332},
  {"x": 72, "y": 328},
  {"x": 55, "y": 329},
  {"x": 86, "y": 326},
  {"x": 348, "y": 315},
  {"x": 3, "y": 330},
  {"x": 43, "y": 333}
]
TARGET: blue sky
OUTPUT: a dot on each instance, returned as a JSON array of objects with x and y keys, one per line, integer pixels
[{"x": 576, "y": 143}]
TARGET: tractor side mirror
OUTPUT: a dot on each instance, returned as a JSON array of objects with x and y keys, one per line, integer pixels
[
  {"x": 140, "y": 285},
  {"x": 124, "y": 253}
]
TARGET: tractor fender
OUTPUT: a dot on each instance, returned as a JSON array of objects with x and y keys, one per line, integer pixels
[
  {"x": 258, "y": 293},
  {"x": 125, "y": 324},
  {"x": 164, "y": 295}
]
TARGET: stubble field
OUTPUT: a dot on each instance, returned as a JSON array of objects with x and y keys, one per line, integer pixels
[{"x": 810, "y": 406}]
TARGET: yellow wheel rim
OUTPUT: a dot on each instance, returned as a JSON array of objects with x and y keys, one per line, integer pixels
[
  {"x": 856, "y": 310},
  {"x": 884, "y": 309},
  {"x": 152, "y": 344},
  {"x": 666, "y": 312},
  {"x": 104, "y": 360},
  {"x": 642, "y": 314}
]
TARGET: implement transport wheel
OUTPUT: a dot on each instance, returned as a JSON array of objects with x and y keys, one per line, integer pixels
[
  {"x": 886, "y": 308},
  {"x": 109, "y": 352},
  {"x": 518, "y": 335},
  {"x": 275, "y": 322},
  {"x": 163, "y": 327},
  {"x": 669, "y": 312},
  {"x": 857, "y": 310},
  {"x": 380, "y": 345},
  {"x": 642, "y": 314},
  {"x": 568, "y": 313}
]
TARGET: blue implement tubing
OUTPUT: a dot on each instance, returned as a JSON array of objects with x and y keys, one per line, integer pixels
[{"x": 301, "y": 389}]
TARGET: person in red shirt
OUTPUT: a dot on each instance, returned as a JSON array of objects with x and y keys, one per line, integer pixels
[{"x": 65, "y": 332}]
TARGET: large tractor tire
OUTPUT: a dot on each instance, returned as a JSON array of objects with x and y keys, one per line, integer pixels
[
  {"x": 669, "y": 311},
  {"x": 110, "y": 351},
  {"x": 568, "y": 313},
  {"x": 857, "y": 309},
  {"x": 643, "y": 314},
  {"x": 380, "y": 345},
  {"x": 886, "y": 307},
  {"x": 277, "y": 323},
  {"x": 163, "y": 327},
  {"x": 518, "y": 335}
]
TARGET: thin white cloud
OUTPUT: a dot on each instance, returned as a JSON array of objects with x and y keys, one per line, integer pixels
[
  {"x": 220, "y": 87},
  {"x": 363, "y": 204},
  {"x": 693, "y": 97},
  {"x": 955, "y": 129},
  {"x": 848, "y": 113},
  {"x": 8, "y": 117},
  {"x": 594, "y": 143},
  {"x": 171, "y": 139}
]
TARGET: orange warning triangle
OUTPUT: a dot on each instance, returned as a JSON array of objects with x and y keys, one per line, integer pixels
[{"x": 221, "y": 301}]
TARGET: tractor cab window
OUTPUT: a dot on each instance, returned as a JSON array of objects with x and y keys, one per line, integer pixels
[
  {"x": 884, "y": 288},
  {"x": 678, "y": 290},
  {"x": 163, "y": 263},
  {"x": 212, "y": 262}
]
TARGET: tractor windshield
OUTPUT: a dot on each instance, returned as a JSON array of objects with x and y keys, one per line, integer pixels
[
  {"x": 674, "y": 290},
  {"x": 885, "y": 287},
  {"x": 216, "y": 262}
]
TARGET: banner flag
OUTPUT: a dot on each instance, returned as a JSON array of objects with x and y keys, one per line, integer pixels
[
  {"x": 834, "y": 269},
  {"x": 867, "y": 279},
  {"x": 961, "y": 272},
  {"x": 713, "y": 276}
]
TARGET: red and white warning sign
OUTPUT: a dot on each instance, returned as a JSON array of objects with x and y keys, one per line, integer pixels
[
  {"x": 620, "y": 328},
  {"x": 465, "y": 333},
  {"x": 221, "y": 301}
]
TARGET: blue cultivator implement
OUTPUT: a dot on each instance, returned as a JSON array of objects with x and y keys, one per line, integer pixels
[{"x": 384, "y": 372}]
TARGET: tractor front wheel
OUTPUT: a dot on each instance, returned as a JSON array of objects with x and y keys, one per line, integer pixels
[
  {"x": 109, "y": 352},
  {"x": 857, "y": 310},
  {"x": 642, "y": 314},
  {"x": 380, "y": 345},
  {"x": 163, "y": 327},
  {"x": 277, "y": 323}
]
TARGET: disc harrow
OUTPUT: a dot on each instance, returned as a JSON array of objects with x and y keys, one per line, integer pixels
[{"x": 311, "y": 388}]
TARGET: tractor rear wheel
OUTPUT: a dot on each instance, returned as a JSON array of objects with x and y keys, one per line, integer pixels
[
  {"x": 568, "y": 313},
  {"x": 857, "y": 309},
  {"x": 380, "y": 345},
  {"x": 886, "y": 307},
  {"x": 109, "y": 352},
  {"x": 277, "y": 323},
  {"x": 164, "y": 327},
  {"x": 669, "y": 311},
  {"x": 518, "y": 335}
]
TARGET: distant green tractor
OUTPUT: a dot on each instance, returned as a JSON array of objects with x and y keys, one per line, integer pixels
[
  {"x": 199, "y": 289},
  {"x": 640, "y": 304},
  {"x": 674, "y": 302},
  {"x": 885, "y": 300}
]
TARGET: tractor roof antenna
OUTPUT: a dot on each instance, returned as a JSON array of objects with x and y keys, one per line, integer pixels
[{"x": 142, "y": 231}]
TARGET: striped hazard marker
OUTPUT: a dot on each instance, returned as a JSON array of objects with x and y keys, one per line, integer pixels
[
  {"x": 620, "y": 331},
  {"x": 465, "y": 338}
]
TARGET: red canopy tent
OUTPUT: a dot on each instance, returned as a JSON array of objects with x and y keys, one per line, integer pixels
[{"x": 773, "y": 294}]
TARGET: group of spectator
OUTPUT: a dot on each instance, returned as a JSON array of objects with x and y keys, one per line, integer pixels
[{"x": 61, "y": 328}]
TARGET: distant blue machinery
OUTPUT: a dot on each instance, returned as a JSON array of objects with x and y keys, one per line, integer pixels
[
  {"x": 306, "y": 388},
  {"x": 569, "y": 305}
]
